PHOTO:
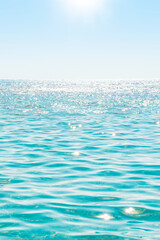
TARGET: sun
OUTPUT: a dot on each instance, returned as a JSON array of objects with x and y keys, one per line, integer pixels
[{"x": 83, "y": 7}]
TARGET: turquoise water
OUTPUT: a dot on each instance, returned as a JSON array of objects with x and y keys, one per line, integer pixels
[{"x": 79, "y": 161}]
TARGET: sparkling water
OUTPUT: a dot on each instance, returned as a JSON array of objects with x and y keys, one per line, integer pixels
[{"x": 79, "y": 160}]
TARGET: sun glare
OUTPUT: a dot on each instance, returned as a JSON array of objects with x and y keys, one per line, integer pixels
[{"x": 83, "y": 7}]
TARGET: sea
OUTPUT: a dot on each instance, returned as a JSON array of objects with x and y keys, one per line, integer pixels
[{"x": 79, "y": 160}]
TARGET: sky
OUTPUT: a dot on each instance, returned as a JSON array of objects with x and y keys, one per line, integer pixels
[{"x": 79, "y": 39}]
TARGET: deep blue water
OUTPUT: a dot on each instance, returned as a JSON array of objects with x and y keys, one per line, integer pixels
[{"x": 79, "y": 161}]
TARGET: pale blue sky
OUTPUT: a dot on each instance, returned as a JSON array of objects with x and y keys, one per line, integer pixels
[{"x": 43, "y": 39}]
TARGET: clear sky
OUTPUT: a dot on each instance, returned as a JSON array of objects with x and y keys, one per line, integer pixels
[{"x": 79, "y": 39}]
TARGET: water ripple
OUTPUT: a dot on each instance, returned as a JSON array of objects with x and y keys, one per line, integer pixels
[{"x": 79, "y": 161}]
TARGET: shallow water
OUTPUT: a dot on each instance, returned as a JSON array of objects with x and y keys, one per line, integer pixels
[{"x": 79, "y": 161}]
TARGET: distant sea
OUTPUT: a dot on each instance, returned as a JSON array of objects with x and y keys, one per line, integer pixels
[{"x": 79, "y": 161}]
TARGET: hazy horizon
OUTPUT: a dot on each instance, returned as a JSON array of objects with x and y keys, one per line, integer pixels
[{"x": 77, "y": 40}]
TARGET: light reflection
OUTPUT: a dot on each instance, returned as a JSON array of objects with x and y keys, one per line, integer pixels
[{"x": 106, "y": 216}]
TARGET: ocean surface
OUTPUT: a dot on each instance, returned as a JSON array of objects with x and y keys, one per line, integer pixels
[{"x": 79, "y": 161}]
